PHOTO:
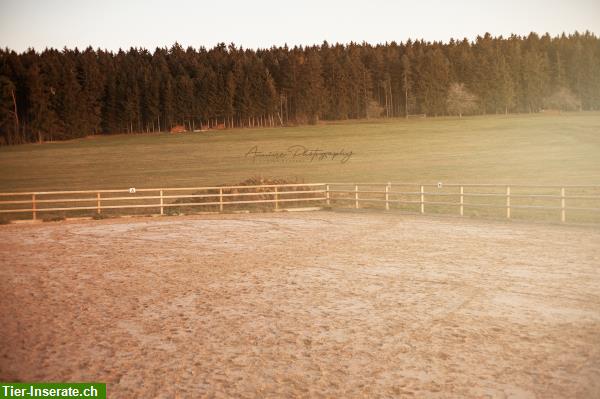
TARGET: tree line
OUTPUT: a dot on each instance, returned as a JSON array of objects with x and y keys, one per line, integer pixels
[{"x": 63, "y": 94}]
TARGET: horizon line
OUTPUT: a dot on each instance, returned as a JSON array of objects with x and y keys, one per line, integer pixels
[{"x": 471, "y": 41}]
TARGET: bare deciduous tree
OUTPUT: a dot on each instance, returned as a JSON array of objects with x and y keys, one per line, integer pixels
[
  {"x": 563, "y": 100},
  {"x": 460, "y": 100},
  {"x": 8, "y": 110}
]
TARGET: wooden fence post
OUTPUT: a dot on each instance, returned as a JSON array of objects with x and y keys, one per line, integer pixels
[
  {"x": 356, "y": 197},
  {"x": 387, "y": 196},
  {"x": 508, "y": 202},
  {"x": 98, "y": 205},
  {"x": 422, "y": 199},
  {"x": 220, "y": 200},
  {"x": 276, "y": 199},
  {"x": 33, "y": 207},
  {"x": 563, "y": 216},
  {"x": 327, "y": 194},
  {"x": 162, "y": 210},
  {"x": 462, "y": 201}
]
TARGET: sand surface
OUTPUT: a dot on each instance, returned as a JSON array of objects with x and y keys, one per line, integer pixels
[{"x": 319, "y": 304}]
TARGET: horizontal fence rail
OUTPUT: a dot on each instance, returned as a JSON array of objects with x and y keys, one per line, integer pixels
[
  {"x": 215, "y": 198},
  {"x": 573, "y": 203},
  {"x": 458, "y": 198}
]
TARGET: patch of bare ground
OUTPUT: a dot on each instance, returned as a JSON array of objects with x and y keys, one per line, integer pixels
[{"x": 319, "y": 304}]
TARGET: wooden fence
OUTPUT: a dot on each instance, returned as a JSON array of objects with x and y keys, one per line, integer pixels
[
  {"x": 160, "y": 199},
  {"x": 556, "y": 203}
]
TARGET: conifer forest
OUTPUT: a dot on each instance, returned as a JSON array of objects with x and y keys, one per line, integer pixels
[{"x": 70, "y": 93}]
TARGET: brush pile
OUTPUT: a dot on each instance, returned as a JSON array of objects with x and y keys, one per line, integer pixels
[{"x": 238, "y": 193}]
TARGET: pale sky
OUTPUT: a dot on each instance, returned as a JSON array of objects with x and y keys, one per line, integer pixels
[{"x": 114, "y": 24}]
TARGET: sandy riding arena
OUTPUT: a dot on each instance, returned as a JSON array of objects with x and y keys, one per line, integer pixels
[{"x": 320, "y": 304}]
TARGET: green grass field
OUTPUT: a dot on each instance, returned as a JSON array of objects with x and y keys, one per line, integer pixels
[{"x": 537, "y": 149}]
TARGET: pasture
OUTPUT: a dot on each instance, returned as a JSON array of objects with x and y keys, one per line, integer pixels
[
  {"x": 327, "y": 304},
  {"x": 539, "y": 149}
]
